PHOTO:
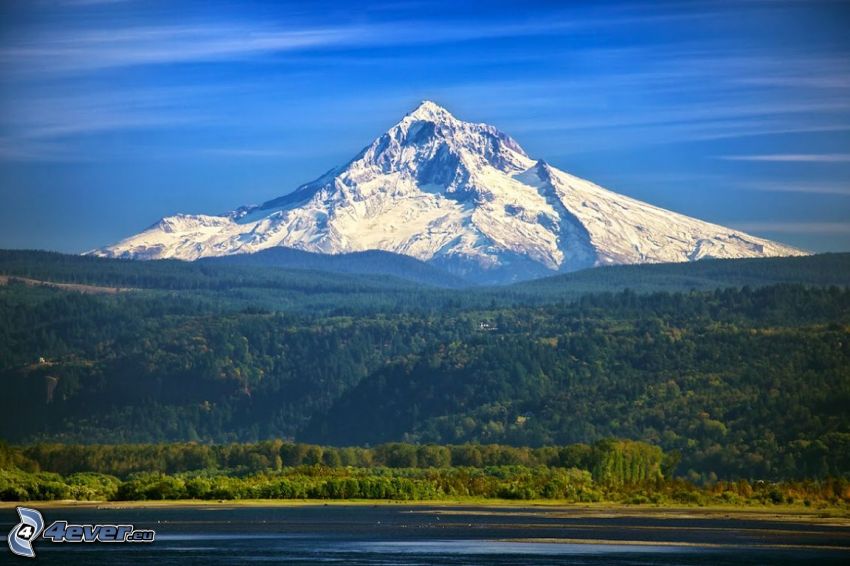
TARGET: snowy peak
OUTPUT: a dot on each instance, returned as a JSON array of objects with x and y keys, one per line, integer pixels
[
  {"x": 432, "y": 130},
  {"x": 461, "y": 195},
  {"x": 429, "y": 111}
]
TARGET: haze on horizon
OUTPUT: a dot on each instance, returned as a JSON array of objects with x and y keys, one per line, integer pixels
[{"x": 116, "y": 113}]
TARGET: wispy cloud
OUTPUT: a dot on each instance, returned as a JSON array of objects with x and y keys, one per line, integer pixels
[
  {"x": 792, "y": 157},
  {"x": 647, "y": 93},
  {"x": 726, "y": 115},
  {"x": 131, "y": 46},
  {"x": 827, "y": 228},
  {"x": 671, "y": 94},
  {"x": 257, "y": 152},
  {"x": 61, "y": 115},
  {"x": 797, "y": 187},
  {"x": 15, "y": 149},
  {"x": 715, "y": 180},
  {"x": 46, "y": 127},
  {"x": 90, "y": 49},
  {"x": 88, "y": 2},
  {"x": 85, "y": 48}
]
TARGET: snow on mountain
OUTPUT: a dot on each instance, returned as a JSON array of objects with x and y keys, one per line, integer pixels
[{"x": 460, "y": 195}]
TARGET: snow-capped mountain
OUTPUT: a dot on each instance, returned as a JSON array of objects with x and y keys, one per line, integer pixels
[{"x": 460, "y": 195}]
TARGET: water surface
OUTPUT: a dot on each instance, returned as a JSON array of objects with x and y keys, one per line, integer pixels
[{"x": 400, "y": 534}]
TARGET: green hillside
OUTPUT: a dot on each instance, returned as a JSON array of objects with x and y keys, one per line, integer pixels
[
  {"x": 743, "y": 383},
  {"x": 291, "y": 281}
]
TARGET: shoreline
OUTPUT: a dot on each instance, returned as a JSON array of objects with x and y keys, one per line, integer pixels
[{"x": 836, "y": 516}]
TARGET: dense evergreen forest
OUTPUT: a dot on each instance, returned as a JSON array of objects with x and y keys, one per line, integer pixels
[
  {"x": 284, "y": 280},
  {"x": 739, "y": 381}
]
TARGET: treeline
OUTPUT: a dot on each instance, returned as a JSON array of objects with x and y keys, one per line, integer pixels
[
  {"x": 177, "y": 275},
  {"x": 611, "y": 461},
  {"x": 822, "y": 269},
  {"x": 282, "y": 268},
  {"x": 276, "y": 469},
  {"x": 309, "y": 482},
  {"x": 613, "y": 470},
  {"x": 220, "y": 286}
]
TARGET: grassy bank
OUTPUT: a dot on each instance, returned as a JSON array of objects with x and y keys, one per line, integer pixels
[
  {"x": 488, "y": 485},
  {"x": 612, "y": 471}
]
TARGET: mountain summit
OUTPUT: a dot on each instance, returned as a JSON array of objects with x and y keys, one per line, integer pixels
[{"x": 463, "y": 196}]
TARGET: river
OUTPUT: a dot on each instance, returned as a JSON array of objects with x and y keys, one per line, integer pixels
[{"x": 421, "y": 534}]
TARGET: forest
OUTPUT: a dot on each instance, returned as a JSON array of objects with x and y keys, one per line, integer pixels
[
  {"x": 739, "y": 381},
  {"x": 370, "y": 282},
  {"x": 610, "y": 470}
]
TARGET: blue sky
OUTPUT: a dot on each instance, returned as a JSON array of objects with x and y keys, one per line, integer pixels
[{"x": 114, "y": 113}]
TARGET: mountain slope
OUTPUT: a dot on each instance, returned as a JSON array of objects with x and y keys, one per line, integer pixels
[
  {"x": 461, "y": 195},
  {"x": 372, "y": 262}
]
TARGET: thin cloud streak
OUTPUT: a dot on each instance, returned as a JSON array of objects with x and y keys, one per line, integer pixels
[
  {"x": 794, "y": 187},
  {"x": 89, "y": 2},
  {"x": 793, "y": 227},
  {"x": 767, "y": 185},
  {"x": 257, "y": 152},
  {"x": 93, "y": 50},
  {"x": 12, "y": 149},
  {"x": 792, "y": 157},
  {"x": 56, "y": 116},
  {"x": 724, "y": 110},
  {"x": 86, "y": 49}
]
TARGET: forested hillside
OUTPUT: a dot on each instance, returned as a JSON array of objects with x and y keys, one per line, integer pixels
[
  {"x": 372, "y": 262},
  {"x": 288, "y": 280},
  {"x": 749, "y": 382},
  {"x": 822, "y": 270}
]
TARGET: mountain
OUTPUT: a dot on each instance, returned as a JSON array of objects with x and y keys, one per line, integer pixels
[
  {"x": 371, "y": 262},
  {"x": 462, "y": 196}
]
